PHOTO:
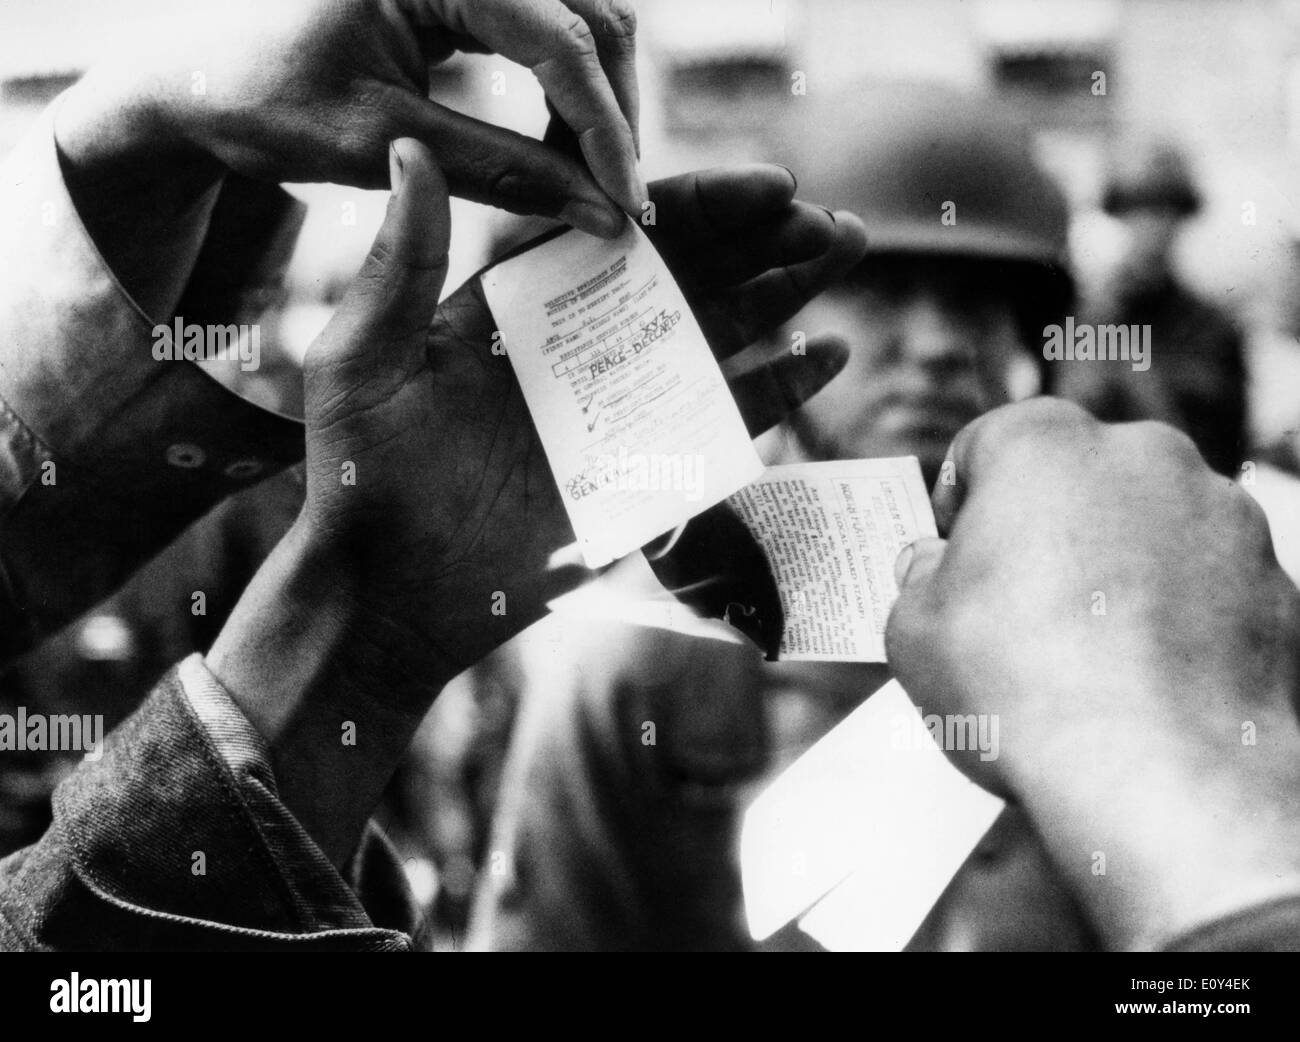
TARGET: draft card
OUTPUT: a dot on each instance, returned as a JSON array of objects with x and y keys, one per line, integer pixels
[{"x": 634, "y": 415}]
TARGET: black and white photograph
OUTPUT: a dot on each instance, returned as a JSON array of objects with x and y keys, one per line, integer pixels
[{"x": 650, "y": 476}]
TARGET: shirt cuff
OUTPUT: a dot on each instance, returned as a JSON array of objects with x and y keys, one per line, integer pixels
[
  {"x": 106, "y": 452},
  {"x": 79, "y": 368}
]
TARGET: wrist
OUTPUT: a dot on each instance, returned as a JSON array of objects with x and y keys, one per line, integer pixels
[
  {"x": 1163, "y": 829},
  {"x": 427, "y": 608},
  {"x": 336, "y": 694},
  {"x": 312, "y": 604}
]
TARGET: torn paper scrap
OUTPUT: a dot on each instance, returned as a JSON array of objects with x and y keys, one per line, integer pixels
[
  {"x": 831, "y": 532},
  {"x": 634, "y": 415},
  {"x": 873, "y": 815}
]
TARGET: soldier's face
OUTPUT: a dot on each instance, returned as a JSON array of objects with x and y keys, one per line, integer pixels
[
  {"x": 933, "y": 344},
  {"x": 1149, "y": 234}
]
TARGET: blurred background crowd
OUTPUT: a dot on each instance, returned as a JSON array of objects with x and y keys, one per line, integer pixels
[{"x": 1172, "y": 130}]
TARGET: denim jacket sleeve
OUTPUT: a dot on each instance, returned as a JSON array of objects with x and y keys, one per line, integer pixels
[{"x": 175, "y": 837}]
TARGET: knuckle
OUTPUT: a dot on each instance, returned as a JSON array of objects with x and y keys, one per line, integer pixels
[
  {"x": 575, "y": 37},
  {"x": 378, "y": 261},
  {"x": 529, "y": 185},
  {"x": 1249, "y": 517},
  {"x": 1033, "y": 423},
  {"x": 618, "y": 20},
  {"x": 1159, "y": 438},
  {"x": 1046, "y": 416}
]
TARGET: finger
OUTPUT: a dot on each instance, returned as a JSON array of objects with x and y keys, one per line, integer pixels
[
  {"x": 613, "y": 23},
  {"x": 948, "y": 492},
  {"x": 730, "y": 196},
  {"x": 562, "y": 50},
  {"x": 707, "y": 205},
  {"x": 392, "y": 300},
  {"x": 559, "y": 137},
  {"x": 1030, "y": 427},
  {"x": 735, "y": 318},
  {"x": 491, "y": 165},
  {"x": 916, "y": 563},
  {"x": 908, "y": 645},
  {"x": 767, "y": 395},
  {"x": 799, "y": 233},
  {"x": 438, "y": 43}
]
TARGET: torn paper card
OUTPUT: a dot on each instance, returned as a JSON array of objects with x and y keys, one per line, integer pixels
[
  {"x": 860, "y": 836},
  {"x": 637, "y": 422},
  {"x": 831, "y": 533}
]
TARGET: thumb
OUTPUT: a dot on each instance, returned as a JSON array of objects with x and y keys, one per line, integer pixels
[
  {"x": 916, "y": 562},
  {"x": 907, "y": 636},
  {"x": 390, "y": 304}
]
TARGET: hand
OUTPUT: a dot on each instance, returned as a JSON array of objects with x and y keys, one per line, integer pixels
[
  {"x": 386, "y": 587},
  {"x": 309, "y": 91},
  {"x": 455, "y": 502},
  {"x": 1118, "y": 607}
]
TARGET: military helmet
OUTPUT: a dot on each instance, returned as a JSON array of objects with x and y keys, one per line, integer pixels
[
  {"x": 1155, "y": 173},
  {"x": 899, "y": 155},
  {"x": 935, "y": 171}
]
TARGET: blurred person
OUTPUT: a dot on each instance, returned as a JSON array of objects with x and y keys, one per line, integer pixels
[
  {"x": 1162, "y": 736},
  {"x": 1197, "y": 378},
  {"x": 226, "y": 812},
  {"x": 605, "y": 842},
  {"x": 1236, "y": 404}
]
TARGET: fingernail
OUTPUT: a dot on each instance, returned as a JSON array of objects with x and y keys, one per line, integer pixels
[
  {"x": 603, "y": 221},
  {"x": 902, "y": 562},
  {"x": 829, "y": 214},
  {"x": 642, "y": 191},
  {"x": 792, "y": 175},
  {"x": 632, "y": 194},
  {"x": 395, "y": 172},
  {"x": 634, "y": 190}
]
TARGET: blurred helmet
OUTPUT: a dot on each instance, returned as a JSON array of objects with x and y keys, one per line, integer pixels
[
  {"x": 1153, "y": 174},
  {"x": 905, "y": 156}
]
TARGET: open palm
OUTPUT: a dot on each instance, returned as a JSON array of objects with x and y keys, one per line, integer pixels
[{"x": 454, "y": 514}]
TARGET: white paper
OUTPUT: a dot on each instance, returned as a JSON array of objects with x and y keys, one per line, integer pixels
[
  {"x": 831, "y": 532},
  {"x": 873, "y": 815},
  {"x": 635, "y": 417}
]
